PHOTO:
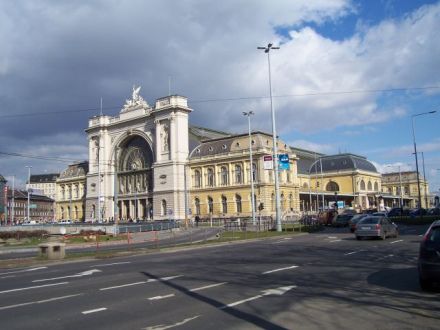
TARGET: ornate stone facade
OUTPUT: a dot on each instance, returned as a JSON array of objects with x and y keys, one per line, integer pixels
[{"x": 137, "y": 161}]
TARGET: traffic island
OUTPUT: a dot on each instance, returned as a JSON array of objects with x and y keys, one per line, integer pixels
[{"x": 52, "y": 250}]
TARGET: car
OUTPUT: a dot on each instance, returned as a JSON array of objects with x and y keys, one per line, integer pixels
[
  {"x": 342, "y": 220},
  {"x": 398, "y": 211},
  {"x": 376, "y": 226},
  {"x": 379, "y": 214},
  {"x": 434, "y": 211},
  {"x": 429, "y": 257},
  {"x": 65, "y": 222},
  {"x": 354, "y": 220},
  {"x": 417, "y": 212}
]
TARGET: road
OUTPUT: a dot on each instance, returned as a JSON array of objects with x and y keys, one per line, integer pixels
[{"x": 325, "y": 280}]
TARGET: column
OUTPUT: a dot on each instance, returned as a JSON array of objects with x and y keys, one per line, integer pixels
[{"x": 158, "y": 141}]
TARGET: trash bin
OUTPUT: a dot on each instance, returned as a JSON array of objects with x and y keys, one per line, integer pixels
[{"x": 52, "y": 250}]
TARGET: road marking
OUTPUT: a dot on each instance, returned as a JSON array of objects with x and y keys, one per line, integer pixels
[
  {"x": 207, "y": 287},
  {"x": 287, "y": 238},
  {"x": 161, "y": 297},
  {"x": 279, "y": 269},
  {"x": 347, "y": 254},
  {"x": 40, "y": 301},
  {"x": 95, "y": 310},
  {"x": 336, "y": 240},
  {"x": 122, "y": 285},
  {"x": 384, "y": 257},
  {"x": 164, "y": 327},
  {"x": 141, "y": 282},
  {"x": 277, "y": 291},
  {"x": 86, "y": 273},
  {"x": 420, "y": 235},
  {"x": 400, "y": 240},
  {"x": 113, "y": 264},
  {"x": 33, "y": 287},
  {"x": 9, "y": 276},
  {"x": 23, "y": 270},
  {"x": 332, "y": 237}
]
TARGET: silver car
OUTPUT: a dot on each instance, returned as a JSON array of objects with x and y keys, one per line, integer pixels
[{"x": 376, "y": 226}]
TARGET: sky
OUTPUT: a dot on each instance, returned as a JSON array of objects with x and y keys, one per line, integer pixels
[{"x": 349, "y": 75}]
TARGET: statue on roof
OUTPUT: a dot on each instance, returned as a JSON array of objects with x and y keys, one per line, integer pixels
[{"x": 136, "y": 101}]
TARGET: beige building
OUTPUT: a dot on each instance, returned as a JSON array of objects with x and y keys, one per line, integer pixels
[
  {"x": 71, "y": 192},
  {"x": 403, "y": 186},
  {"x": 44, "y": 184},
  {"x": 220, "y": 177}
]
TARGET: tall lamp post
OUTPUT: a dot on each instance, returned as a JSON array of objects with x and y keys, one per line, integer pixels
[
  {"x": 251, "y": 166},
  {"x": 415, "y": 151},
  {"x": 274, "y": 138},
  {"x": 28, "y": 194}
]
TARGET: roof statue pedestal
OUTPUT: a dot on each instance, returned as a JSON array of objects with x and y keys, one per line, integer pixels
[{"x": 141, "y": 153}]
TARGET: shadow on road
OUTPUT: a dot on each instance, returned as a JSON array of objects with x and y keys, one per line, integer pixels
[{"x": 258, "y": 321}]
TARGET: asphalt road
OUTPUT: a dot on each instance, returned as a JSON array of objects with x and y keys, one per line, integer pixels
[{"x": 326, "y": 280}]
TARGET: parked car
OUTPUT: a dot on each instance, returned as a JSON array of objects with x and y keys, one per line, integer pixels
[
  {"x": 354, "y": 221},
  {"x": 379, "y": 214},
  {"x": 65, "y": 222},
  {"x": 398, "y": 211},
  {"x": 417, "y": 212},
  {"x": 342, "y": 220},
  {"x": 373, "y": 226},
  {"x": 434, "y": 211},
  {"x": 429, "y": 257}
]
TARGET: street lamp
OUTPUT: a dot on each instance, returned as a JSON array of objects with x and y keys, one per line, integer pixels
[
  {"x": 415, "y": 150},
  {"x": 251, "y": 167},
  {"x": 28, "y": 193},
  {"x": 336, "y": 200},
  {"x": 274, "y": 138}
]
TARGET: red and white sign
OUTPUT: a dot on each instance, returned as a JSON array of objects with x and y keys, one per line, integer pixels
[{"x": 268, "y": 162}]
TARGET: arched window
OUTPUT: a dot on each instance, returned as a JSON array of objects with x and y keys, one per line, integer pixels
[
  {"x": 69, "y": 214},
  {"x": 197, "y": 179},
  {"x": 197, "y": 206},
  {"x": 163, "y": 209},
  {"x": 93, "y": 212},
  {"x": 210, "y": 177},
  {"x": 376, "y": 186},
  {"x": 62, "y": 212},
  {"x": 291, "y": 201},
  {"x": 362, "y": 185},
  {"x": 370, "y": 186},
  {"x": 210, "y": 205},
  {"x": 75, "y": 212},
  {"x": 283, "y": 202},
  {"x": 224, "y": 204},
  {"x": 332, "y": 186},
  {"x": 305, "y": 185},
  {"x": 238, "y": 174},
  {"x": 254, "y": 172},
  {"x": 238, "y": 203},
  {"x": 272, "y": 202},
  {"x": 224, "y": 176}
]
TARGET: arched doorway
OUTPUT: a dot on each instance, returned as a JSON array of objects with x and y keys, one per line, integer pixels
[{"x": 135, "y": 179}]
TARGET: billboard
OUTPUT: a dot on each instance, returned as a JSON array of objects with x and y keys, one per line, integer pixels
[{"x": 283, "y": 162}]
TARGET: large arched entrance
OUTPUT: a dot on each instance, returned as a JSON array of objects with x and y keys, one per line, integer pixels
[{"x": 135, "y": 179}]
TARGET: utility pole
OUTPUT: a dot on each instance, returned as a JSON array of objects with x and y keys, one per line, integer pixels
[
  {"x": 251, "y": 167},
  {"x": 28, "y": 194}
]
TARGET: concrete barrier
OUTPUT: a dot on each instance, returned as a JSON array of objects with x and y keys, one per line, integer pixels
[{"x": 52, "y": 250}]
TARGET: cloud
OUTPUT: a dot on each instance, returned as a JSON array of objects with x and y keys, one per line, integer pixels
[{"x": 312, "y": 146}]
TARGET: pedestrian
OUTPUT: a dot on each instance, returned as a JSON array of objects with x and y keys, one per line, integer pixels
[{"x": 197, "y": 219}]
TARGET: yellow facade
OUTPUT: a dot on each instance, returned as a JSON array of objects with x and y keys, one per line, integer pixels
[
  {"x": 220, "y": 184},
  {"x": 404, "y": 186}
]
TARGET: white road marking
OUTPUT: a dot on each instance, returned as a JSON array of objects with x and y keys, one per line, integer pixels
[
  {"x": 112, "y": 264},
  {"x": 332, "y": 237},
  {"x": 279, "y": 269},
  {"x": 400, "y": 240},
  {"x": 23, "y": 270},
  {"x": 347, "y": 254},
  {"x": 33, "y": 287},
  {"x": 336, "y": 240},
  {"x": 40, "y": 301},
  {"x": 86, "y": 273},
  {"x": 95, "y": 310},
  {"x": 122, "y": 285},
  {"x": 141, "y": 282},
  {"x": 384, "y": 257},
  {"x": 164, "y": 327},
  {"x": 277, "y": 291},
  {"x": 421, "y": 235},
  {"x": 207, "y": 287},
  {"x": 9, "y": 276},
  {"x": 287, "y": 238},
  {"x": 161, "y": 297}
]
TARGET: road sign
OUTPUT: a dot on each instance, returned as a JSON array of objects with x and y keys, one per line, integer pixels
[
  {"x": 268, "y": 162},
  {"x": 283, "y": 162}
]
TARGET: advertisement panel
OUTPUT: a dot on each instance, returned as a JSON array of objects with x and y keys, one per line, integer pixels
[
  {"x": 283, "y": 162},
  {"x": 268, "y": 162}
]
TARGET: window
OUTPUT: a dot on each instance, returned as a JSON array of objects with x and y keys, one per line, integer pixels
[
  {"x": 197, "y": 179},
  {"x": 210, "y": 177},
  {"x": 272, "y": 202},
  {"x": 332, "y": 186},
  {"x": 370, "y": 186},
  {"x": 283, "y": 202},
  {"x": 305, "y": 185},
  {"x": 210, "y": 205},
  {"x": 163, "y": 209},
  {"x": 224, "y": 176},
  {"x": 197, "y": 206},
  {"x": 238, "y": 174},
  {"x": 254, "y": 172},
  {"x": 362, "y": 185},
  {"x": 238, "y": 203},
  {"x": 291, "y": 201},
  {"x": 224, "y": 204},
  {"x": 376, "y": 186}
]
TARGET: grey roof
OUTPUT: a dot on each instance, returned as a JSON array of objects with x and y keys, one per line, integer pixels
[
  {"x": 75, "y": 170},
  {"x": 44, "y": 178},
  {"x": 198, "y": 134},
  {"x": 306, "y": 158},
  {"x": 2, "y": 179},
  {"x": 342, "y": 162}
]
